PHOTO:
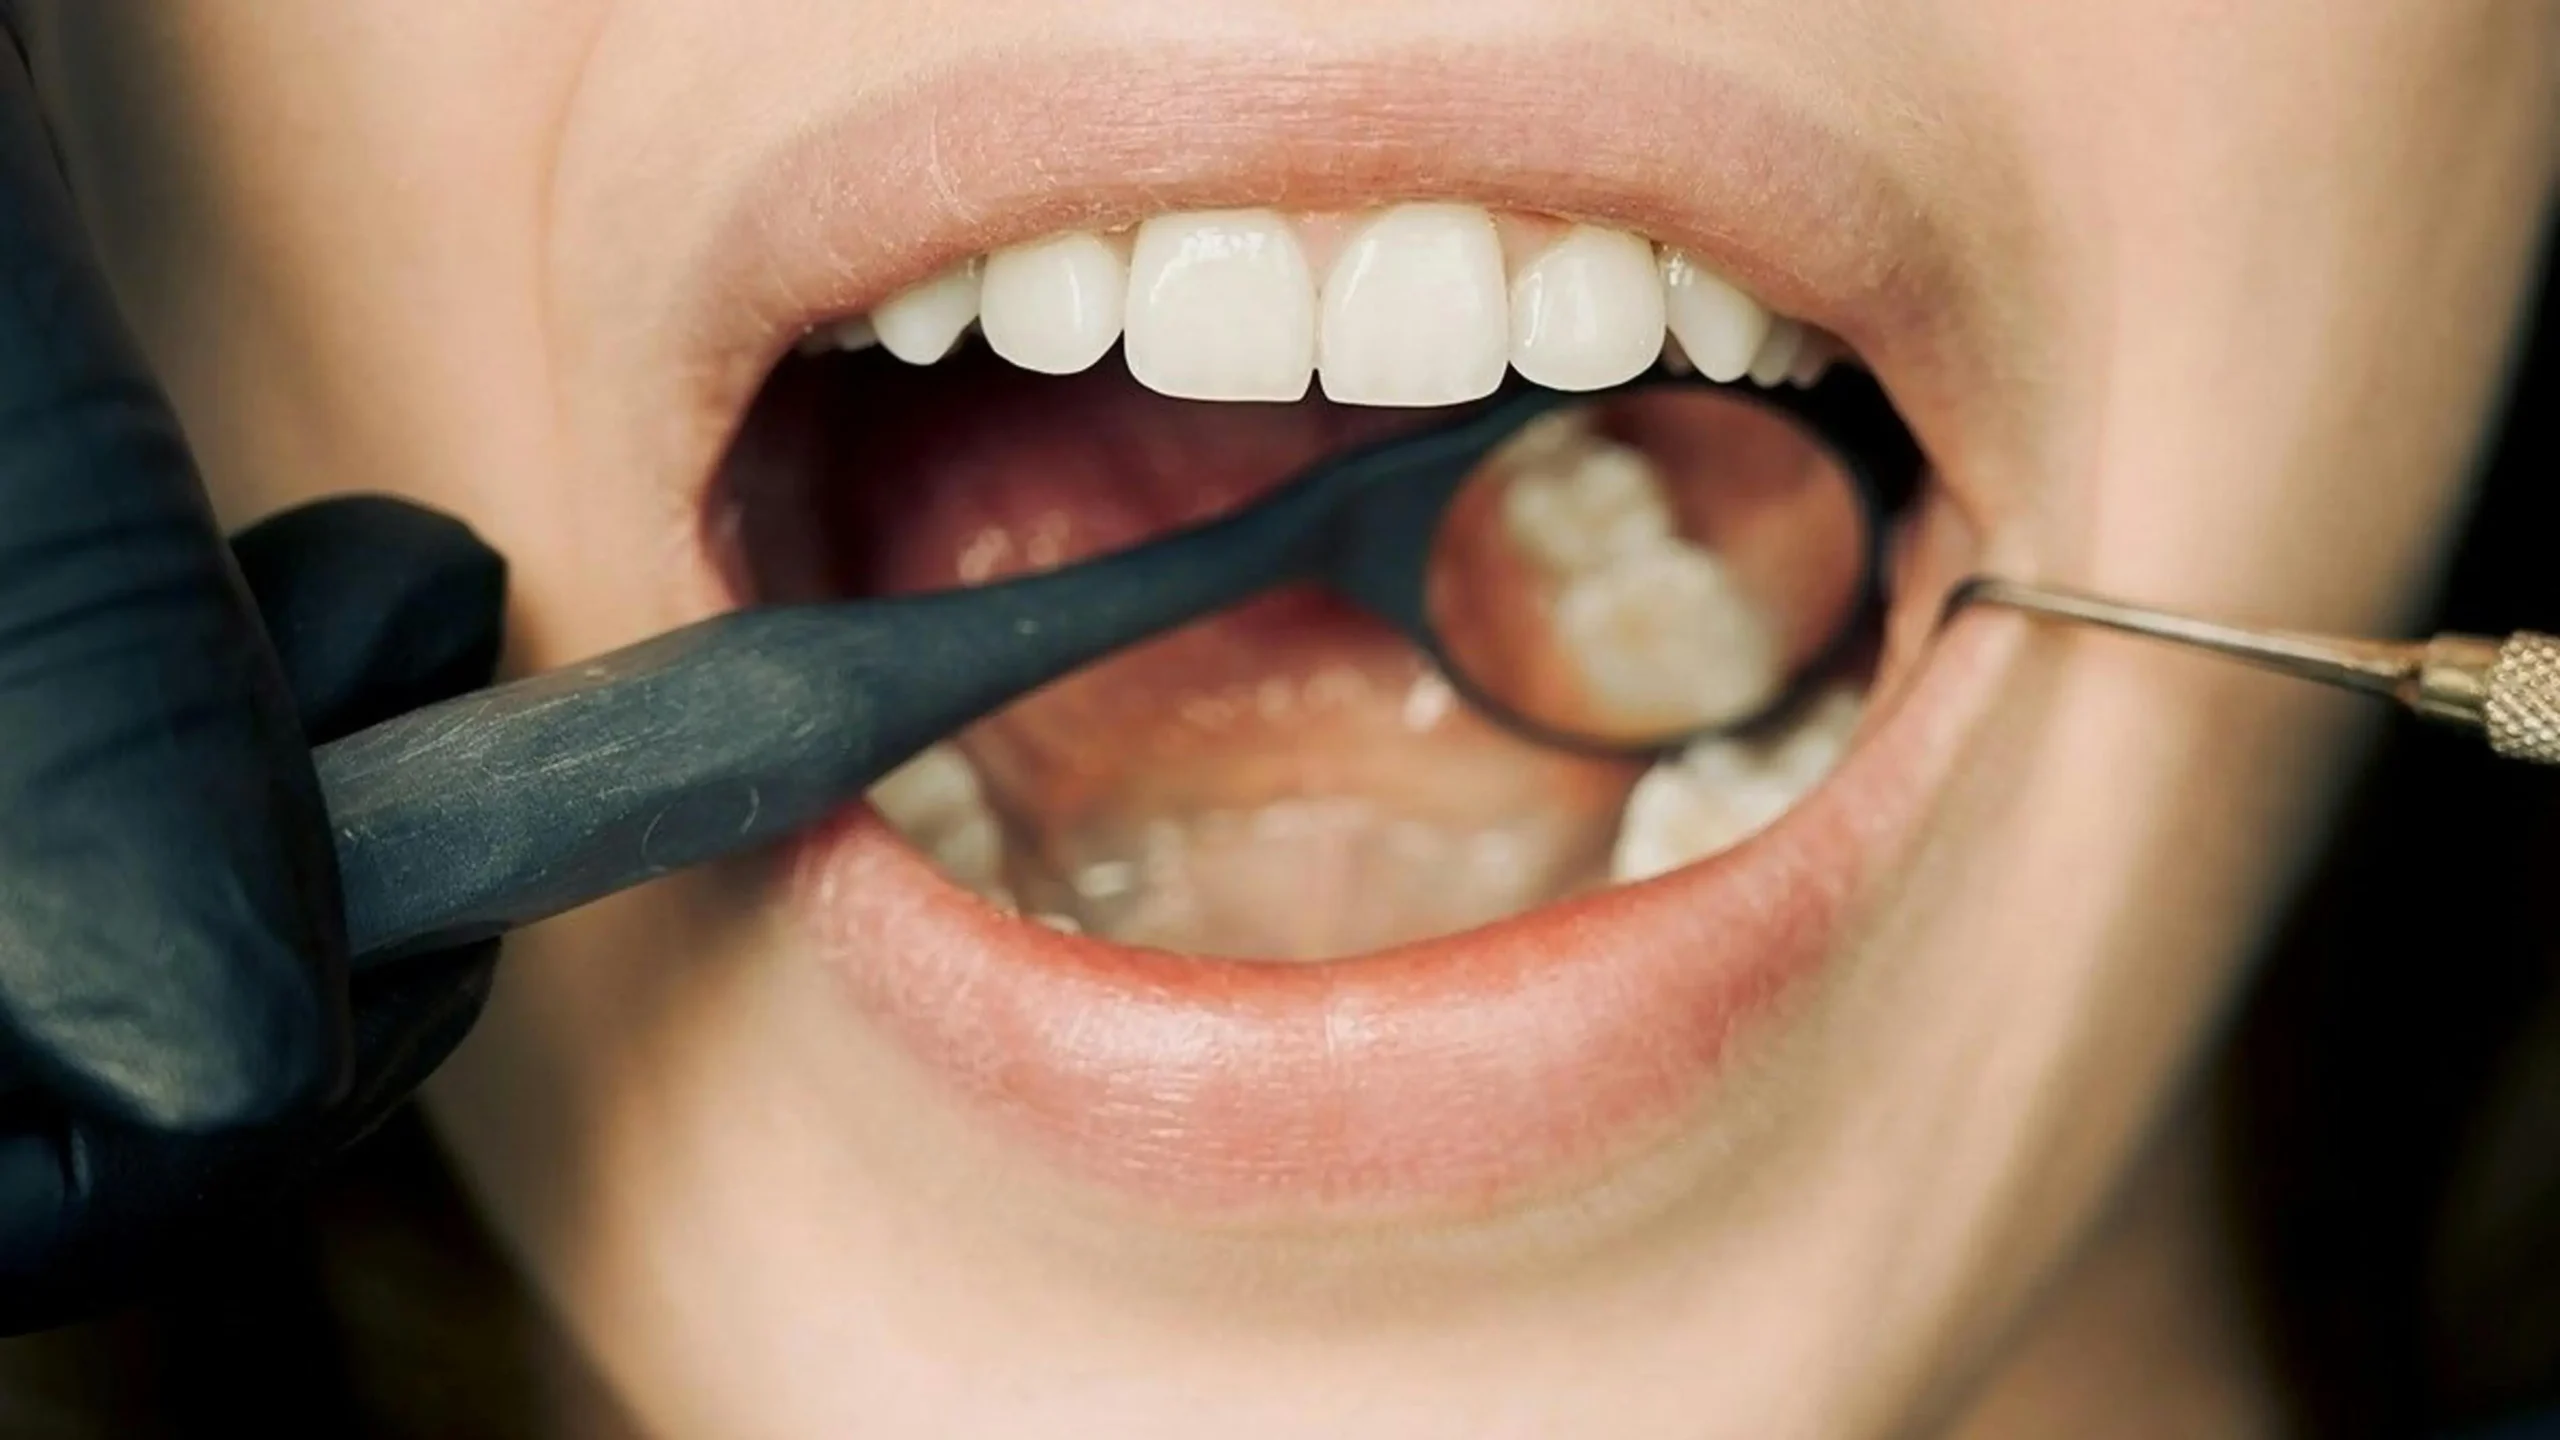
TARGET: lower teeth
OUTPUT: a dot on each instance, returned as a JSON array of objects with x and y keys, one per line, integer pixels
[
  {"x": 1350, "y": 875},
  {"x": 935, "y": 801},
  {"x": 1710, "y": 797},
  {"x": 1723, "y": 790}
]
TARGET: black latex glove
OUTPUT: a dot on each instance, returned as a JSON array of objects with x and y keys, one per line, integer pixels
[{"x": 177, "y": 1033}]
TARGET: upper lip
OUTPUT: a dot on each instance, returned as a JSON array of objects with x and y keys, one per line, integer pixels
[{"x": 1773, "y": 192}]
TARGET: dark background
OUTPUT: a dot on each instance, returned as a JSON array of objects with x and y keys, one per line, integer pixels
[{"x": 2394, "y": 1098}]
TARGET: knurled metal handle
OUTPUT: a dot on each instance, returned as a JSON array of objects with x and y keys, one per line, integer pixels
[{"x": 2522, "y": 713}]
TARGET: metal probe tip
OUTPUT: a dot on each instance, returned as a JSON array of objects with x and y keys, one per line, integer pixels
[{"x": 2509, "y": 690}]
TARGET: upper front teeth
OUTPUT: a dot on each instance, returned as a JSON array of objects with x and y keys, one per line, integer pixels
[
  {"x": 1414, "y": 311},
  {"x": 1421, "y": 304},
  {"x": 1221, "y": 306}
]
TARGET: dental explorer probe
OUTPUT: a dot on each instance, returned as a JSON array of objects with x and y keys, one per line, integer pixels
[{"x": 2508, "y": 689}]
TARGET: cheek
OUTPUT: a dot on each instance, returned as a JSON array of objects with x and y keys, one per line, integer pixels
[
  {"x": 2287, "y": 246},
  {"x": 334, "y": 270}
]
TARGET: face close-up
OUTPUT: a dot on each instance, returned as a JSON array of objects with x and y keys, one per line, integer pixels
[{"x": 1245, "y": 1036}]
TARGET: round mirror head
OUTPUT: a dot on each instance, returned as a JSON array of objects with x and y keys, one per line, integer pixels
[{"x": 1648, "y": 565}]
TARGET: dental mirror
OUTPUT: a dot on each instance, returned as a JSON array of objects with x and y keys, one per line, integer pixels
[{"x": 1619, "y": 573}]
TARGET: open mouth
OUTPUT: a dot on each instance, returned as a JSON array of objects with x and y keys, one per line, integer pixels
[
  {"x": 1265, "y": 913},
  {"x": 1296, "y": 780}
]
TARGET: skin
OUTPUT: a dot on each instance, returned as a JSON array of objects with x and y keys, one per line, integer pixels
[{"x": 2239, "y": 282}]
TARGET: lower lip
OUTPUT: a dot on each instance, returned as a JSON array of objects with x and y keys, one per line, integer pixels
[{"x": 1436, "y": 1078}]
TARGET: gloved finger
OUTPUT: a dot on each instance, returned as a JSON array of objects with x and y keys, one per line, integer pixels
[
  {"x": 409, "y": 1018},
  {"x": 375, "y": 606},
  {"x": 38, "y": 1183},
  {"x": 170, "y": 942},
  {"x": 95, "y": 1213},
  {"x": 378, "y": 607}
]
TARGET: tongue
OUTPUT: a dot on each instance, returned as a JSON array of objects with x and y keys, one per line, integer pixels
[{"x": 1291, "y": 780}]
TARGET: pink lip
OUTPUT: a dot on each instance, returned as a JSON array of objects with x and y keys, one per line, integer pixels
[
  {"x": 865, "y": 201},
  {"x": 1446, "y": 1074}
]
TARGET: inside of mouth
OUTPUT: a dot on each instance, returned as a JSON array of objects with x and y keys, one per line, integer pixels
[{"x": 1291, "y": 780}]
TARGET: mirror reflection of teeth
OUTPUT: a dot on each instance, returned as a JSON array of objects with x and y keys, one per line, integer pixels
[
  {"x": 1660, "y": 631},
  {"x": 1577, "y": 512},
  {"x": 1410, "y": 305},
  {"x": 1669, "y": 634}
]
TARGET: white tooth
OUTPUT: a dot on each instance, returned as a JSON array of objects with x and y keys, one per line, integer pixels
[
  {"x": 1723, "y": 790},
  {"x": 850, "y": 336},
  {"x": 1416, "y": 311},
  {"x": 1718, "y": 326},
  {"x": 1221, "y": 307},
  {"x": 936, "y": 802},
  {"x": 921, "y": 324},
  {"x": 971, "y": 852},
  {"x": 1588, "y": 313},
  {"x": 1054, "y": 305},
  {"x": 1777, "y": 353},
  {"x": 854, "y": 335},
  {"x": 1810, "y": 366},
  {"x": 1666, "y": 639},
  {"x": 936, "y": 788},
  {"x": 1429, "y": 702},
  {"x": 1557, "y": 440},
  {"x": 1580, "y": 513},
  {"x": 1106, "y": 879}
]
